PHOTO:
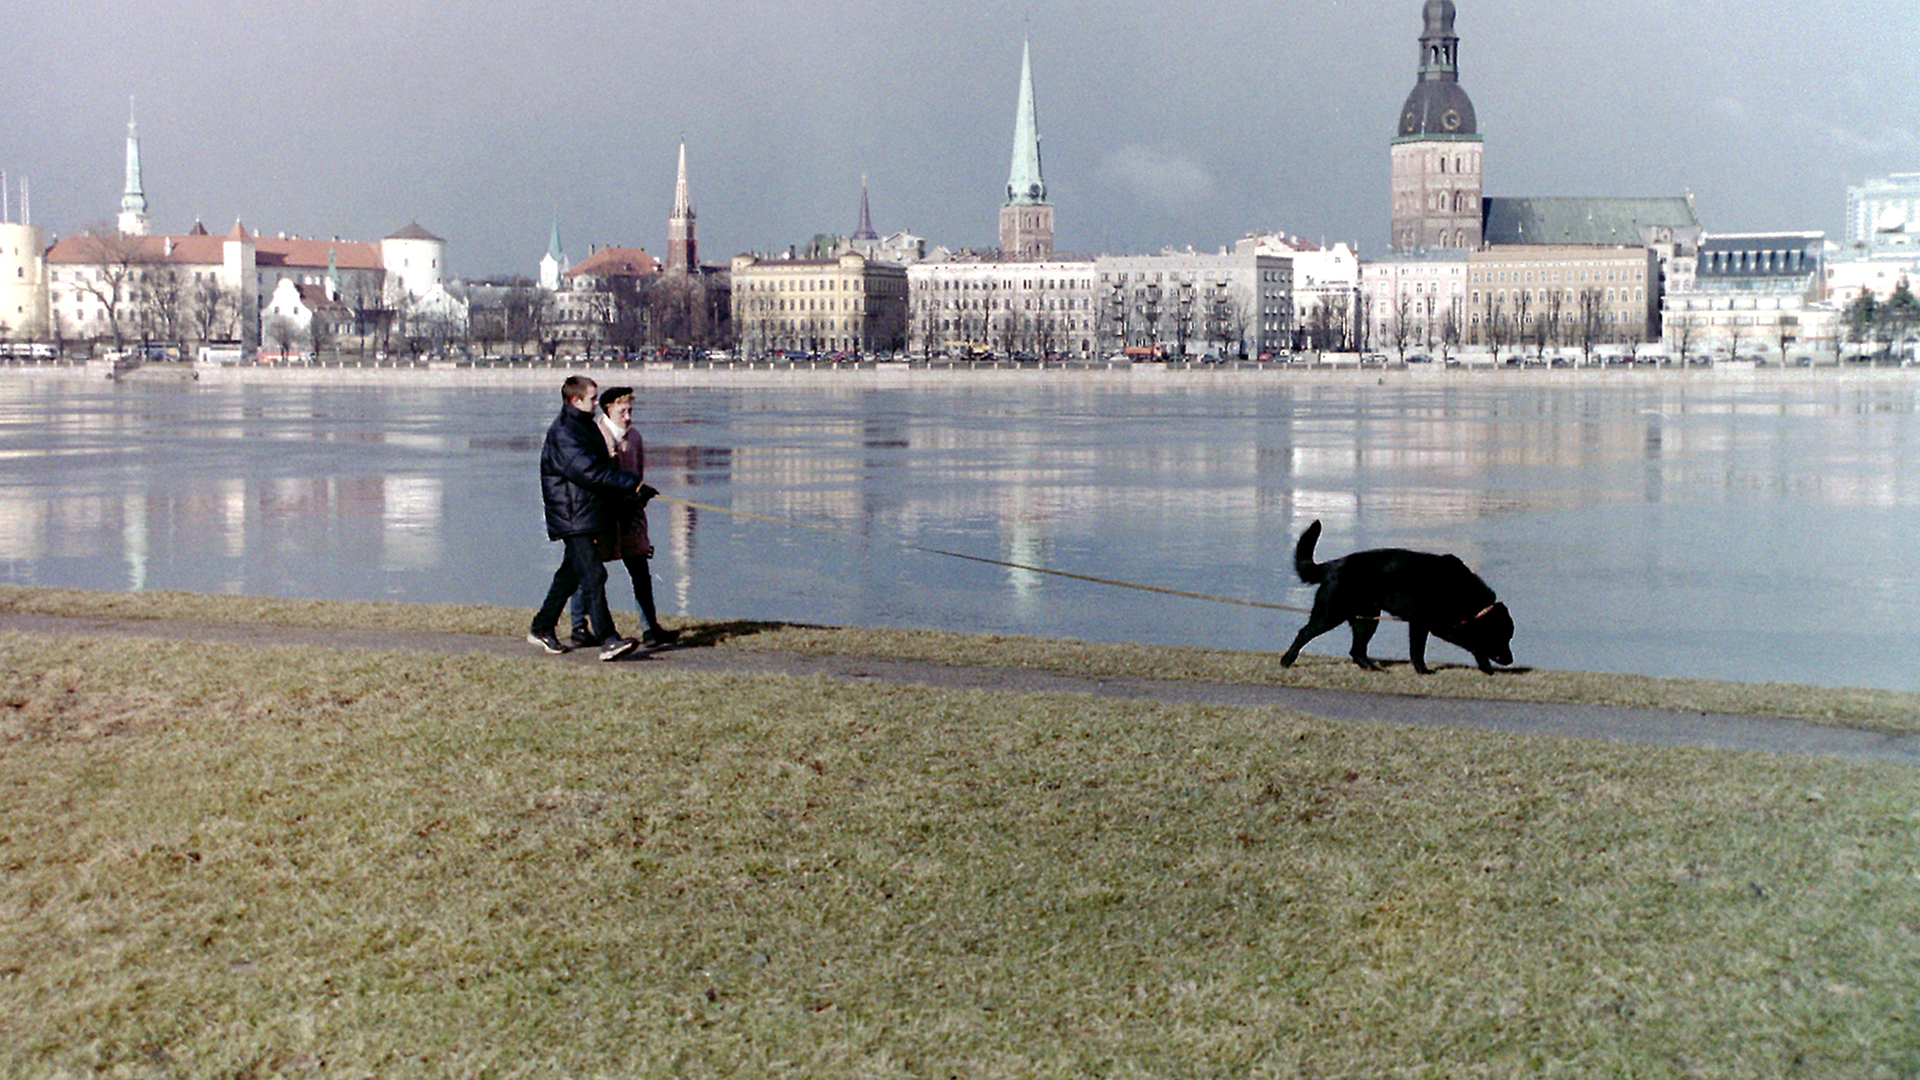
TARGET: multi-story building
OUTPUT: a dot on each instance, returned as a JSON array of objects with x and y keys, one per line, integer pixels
[
  {"x": 1562, "y": 295},
  {"x": 1415, "y": 302},
  {"x": 1236, "y": 304},
  {"x": 849, "y": 304},
  {"x": 1883, "y": 217},
  {"x": 203, "y": 287},
  {"x": 1752, "y": 294},
  {"x": 1326, "y": 288},
  {"x": 1002, "y": 307}
]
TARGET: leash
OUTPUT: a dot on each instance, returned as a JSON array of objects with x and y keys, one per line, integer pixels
[{"x": 1157, "y": 589}]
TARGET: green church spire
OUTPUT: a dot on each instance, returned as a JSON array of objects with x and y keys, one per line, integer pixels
[{"x": 1025, "y": 185}]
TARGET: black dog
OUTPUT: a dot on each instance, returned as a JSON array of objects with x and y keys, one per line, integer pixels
[{"x": 1435, "y": 594}]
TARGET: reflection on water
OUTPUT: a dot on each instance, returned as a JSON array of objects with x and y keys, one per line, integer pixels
[{"x": 1752, "y": 530}]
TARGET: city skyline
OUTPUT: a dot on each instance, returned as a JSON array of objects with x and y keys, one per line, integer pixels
[{"x": 486, "y": 130}]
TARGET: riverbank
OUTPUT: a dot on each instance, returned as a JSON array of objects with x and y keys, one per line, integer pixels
[
  {"x": 257, "y": 852},
  {"x": 1099, "y": 373}
]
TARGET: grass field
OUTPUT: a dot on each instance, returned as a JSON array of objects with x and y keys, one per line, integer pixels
[{"x": 257, "y": 862}]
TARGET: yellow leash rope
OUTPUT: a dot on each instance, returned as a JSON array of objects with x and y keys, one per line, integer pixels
[{"x": 990, "y": 562}]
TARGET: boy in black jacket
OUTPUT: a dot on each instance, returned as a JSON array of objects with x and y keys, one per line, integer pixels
[{"x": 577, "y": 480}]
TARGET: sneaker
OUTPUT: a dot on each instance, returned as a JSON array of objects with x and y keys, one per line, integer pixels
[
  {"x": 660, "y": 635},
  {"x": 546, "y": 641},
  {"x": 615, "y": 648},
  {"x": 588, "y": 641}
]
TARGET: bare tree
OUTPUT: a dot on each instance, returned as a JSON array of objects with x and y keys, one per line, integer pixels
[
  {"x": 1452, "y": 328},
  {"x": 165, "y": 314},
  {"x": 1400, "y": 329},
  {"x": 1553, "y": 319},
  {"x": 115, "y": 263},
  {"x": 1495, "y": 325},
  {"x": 283, "y": 333},
  {"x": 1590, "y": 321},
  {"x": 210, "y": 309},
  {"x": 1522, "y": 317},
  {"x": 1181, "y": 315}
]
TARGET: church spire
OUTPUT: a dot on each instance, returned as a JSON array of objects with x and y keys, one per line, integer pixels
[
  {"x": 683, "y": 252},
  {"x": 865, "y": 230},
  {"x": 1026, "y": 220},
  {"x": 133, "y": 202},
  {"x": 554, "y": 263},
  {"x": 1025, "y": 184}
]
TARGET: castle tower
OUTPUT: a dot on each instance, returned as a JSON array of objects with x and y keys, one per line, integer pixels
[
  {"x": 1436, "y": 153},
  {"x": 683, "y": 249},
  {"x": 1026, "y": 221},
  {"x": 133, "y": 202}
]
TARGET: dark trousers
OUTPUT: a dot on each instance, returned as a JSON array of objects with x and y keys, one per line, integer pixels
[
  {"x": 580, "y": 573},
  {"x": 642, "y": 576}
]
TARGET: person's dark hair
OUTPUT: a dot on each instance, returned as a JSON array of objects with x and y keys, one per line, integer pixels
[
  {"x": 576, "y": 387},
  {"x": 612, "y": 394}
]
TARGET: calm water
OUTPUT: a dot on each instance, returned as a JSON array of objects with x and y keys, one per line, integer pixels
[{"x": 1758, "y": 530}]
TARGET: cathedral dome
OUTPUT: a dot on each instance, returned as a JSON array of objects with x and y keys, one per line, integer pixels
[{"x": 1437, "y": 109}]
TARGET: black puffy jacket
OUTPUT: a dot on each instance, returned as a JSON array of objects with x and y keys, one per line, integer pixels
[{"x": 578, "y": 479}]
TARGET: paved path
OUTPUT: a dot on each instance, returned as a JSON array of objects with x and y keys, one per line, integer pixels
[{"x": 1649, "y": 727}]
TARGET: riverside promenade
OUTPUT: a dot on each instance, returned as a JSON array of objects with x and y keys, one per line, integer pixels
[{"x": 1612, "y": 724}]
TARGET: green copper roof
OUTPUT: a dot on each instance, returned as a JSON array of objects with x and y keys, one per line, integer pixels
[{"x": 1025, "y": 185}]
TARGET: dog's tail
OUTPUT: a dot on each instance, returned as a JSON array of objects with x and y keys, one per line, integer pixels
[{"x": 1310, "y": 572}]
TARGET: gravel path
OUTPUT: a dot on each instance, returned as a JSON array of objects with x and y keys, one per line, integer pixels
[{"x": 1648, "y": 727}]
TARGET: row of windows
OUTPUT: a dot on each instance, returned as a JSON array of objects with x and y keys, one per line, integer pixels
[
  {"x": 1587, "y": 276},
  {"x": 1609, "y": 295}
]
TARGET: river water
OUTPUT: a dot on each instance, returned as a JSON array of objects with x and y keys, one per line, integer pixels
[{"x": 1757, "y": 528}]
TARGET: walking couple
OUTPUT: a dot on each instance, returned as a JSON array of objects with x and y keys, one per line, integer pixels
[{"x": 592, "y": 483}]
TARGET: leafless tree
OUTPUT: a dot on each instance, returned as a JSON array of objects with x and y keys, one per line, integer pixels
[
  {"x": 164, "y": 310},
  {"x": 1400, "y": 328},
  {"x": 114, "y": 265},
  {"x": 1553, "y": 320},
  {"x": 283, "y": 333},
  {"x": 1590, "y": 324},
  {"x": 1451, "y": 328},
  {"x": 1522, "y": 317},
  {"x": 210, "y": 309}
]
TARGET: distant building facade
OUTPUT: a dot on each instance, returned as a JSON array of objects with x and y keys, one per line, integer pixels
[
  {"x": 1883, "y": 217},
  {"x": 1416, "y": 302},
  {"x": 1007, "y": 308},
  {"x": 1752, "y": 294},
  {"x": 1326, "y": 288},
  {"x": 203, "y": 287},
  {"x": 849, "y": 304},
  {"x": 1236, "y": 304}
]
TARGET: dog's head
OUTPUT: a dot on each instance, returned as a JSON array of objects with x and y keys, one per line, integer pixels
[{"x": 1489, "y": 635}]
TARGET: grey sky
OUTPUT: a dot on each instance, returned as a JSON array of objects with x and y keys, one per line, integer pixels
[{"x": 1163, "y": 124}]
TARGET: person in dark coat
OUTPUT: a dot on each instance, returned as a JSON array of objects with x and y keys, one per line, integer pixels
[
  {"x": 625, "y": 536},
  {"x": 578, "y": 481}
]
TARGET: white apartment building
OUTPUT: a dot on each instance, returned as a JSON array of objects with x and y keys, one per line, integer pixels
[
  {"x": 1233, "y": 304},
  {"x": 1031, "y": 309},
  {"x": 1326, "y": 287},
  {"x": 1415, "y": 301}
]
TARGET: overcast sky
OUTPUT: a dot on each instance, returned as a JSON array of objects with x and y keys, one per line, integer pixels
[{"x": 1162, "y": 123}]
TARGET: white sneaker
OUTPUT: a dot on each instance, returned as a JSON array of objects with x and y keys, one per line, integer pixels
[{"x": 617, "y": 648}]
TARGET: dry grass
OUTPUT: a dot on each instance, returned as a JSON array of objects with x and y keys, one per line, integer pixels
[
  {"x": 250, "y": 862},
  {"x": 1885, "y": 710}
]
